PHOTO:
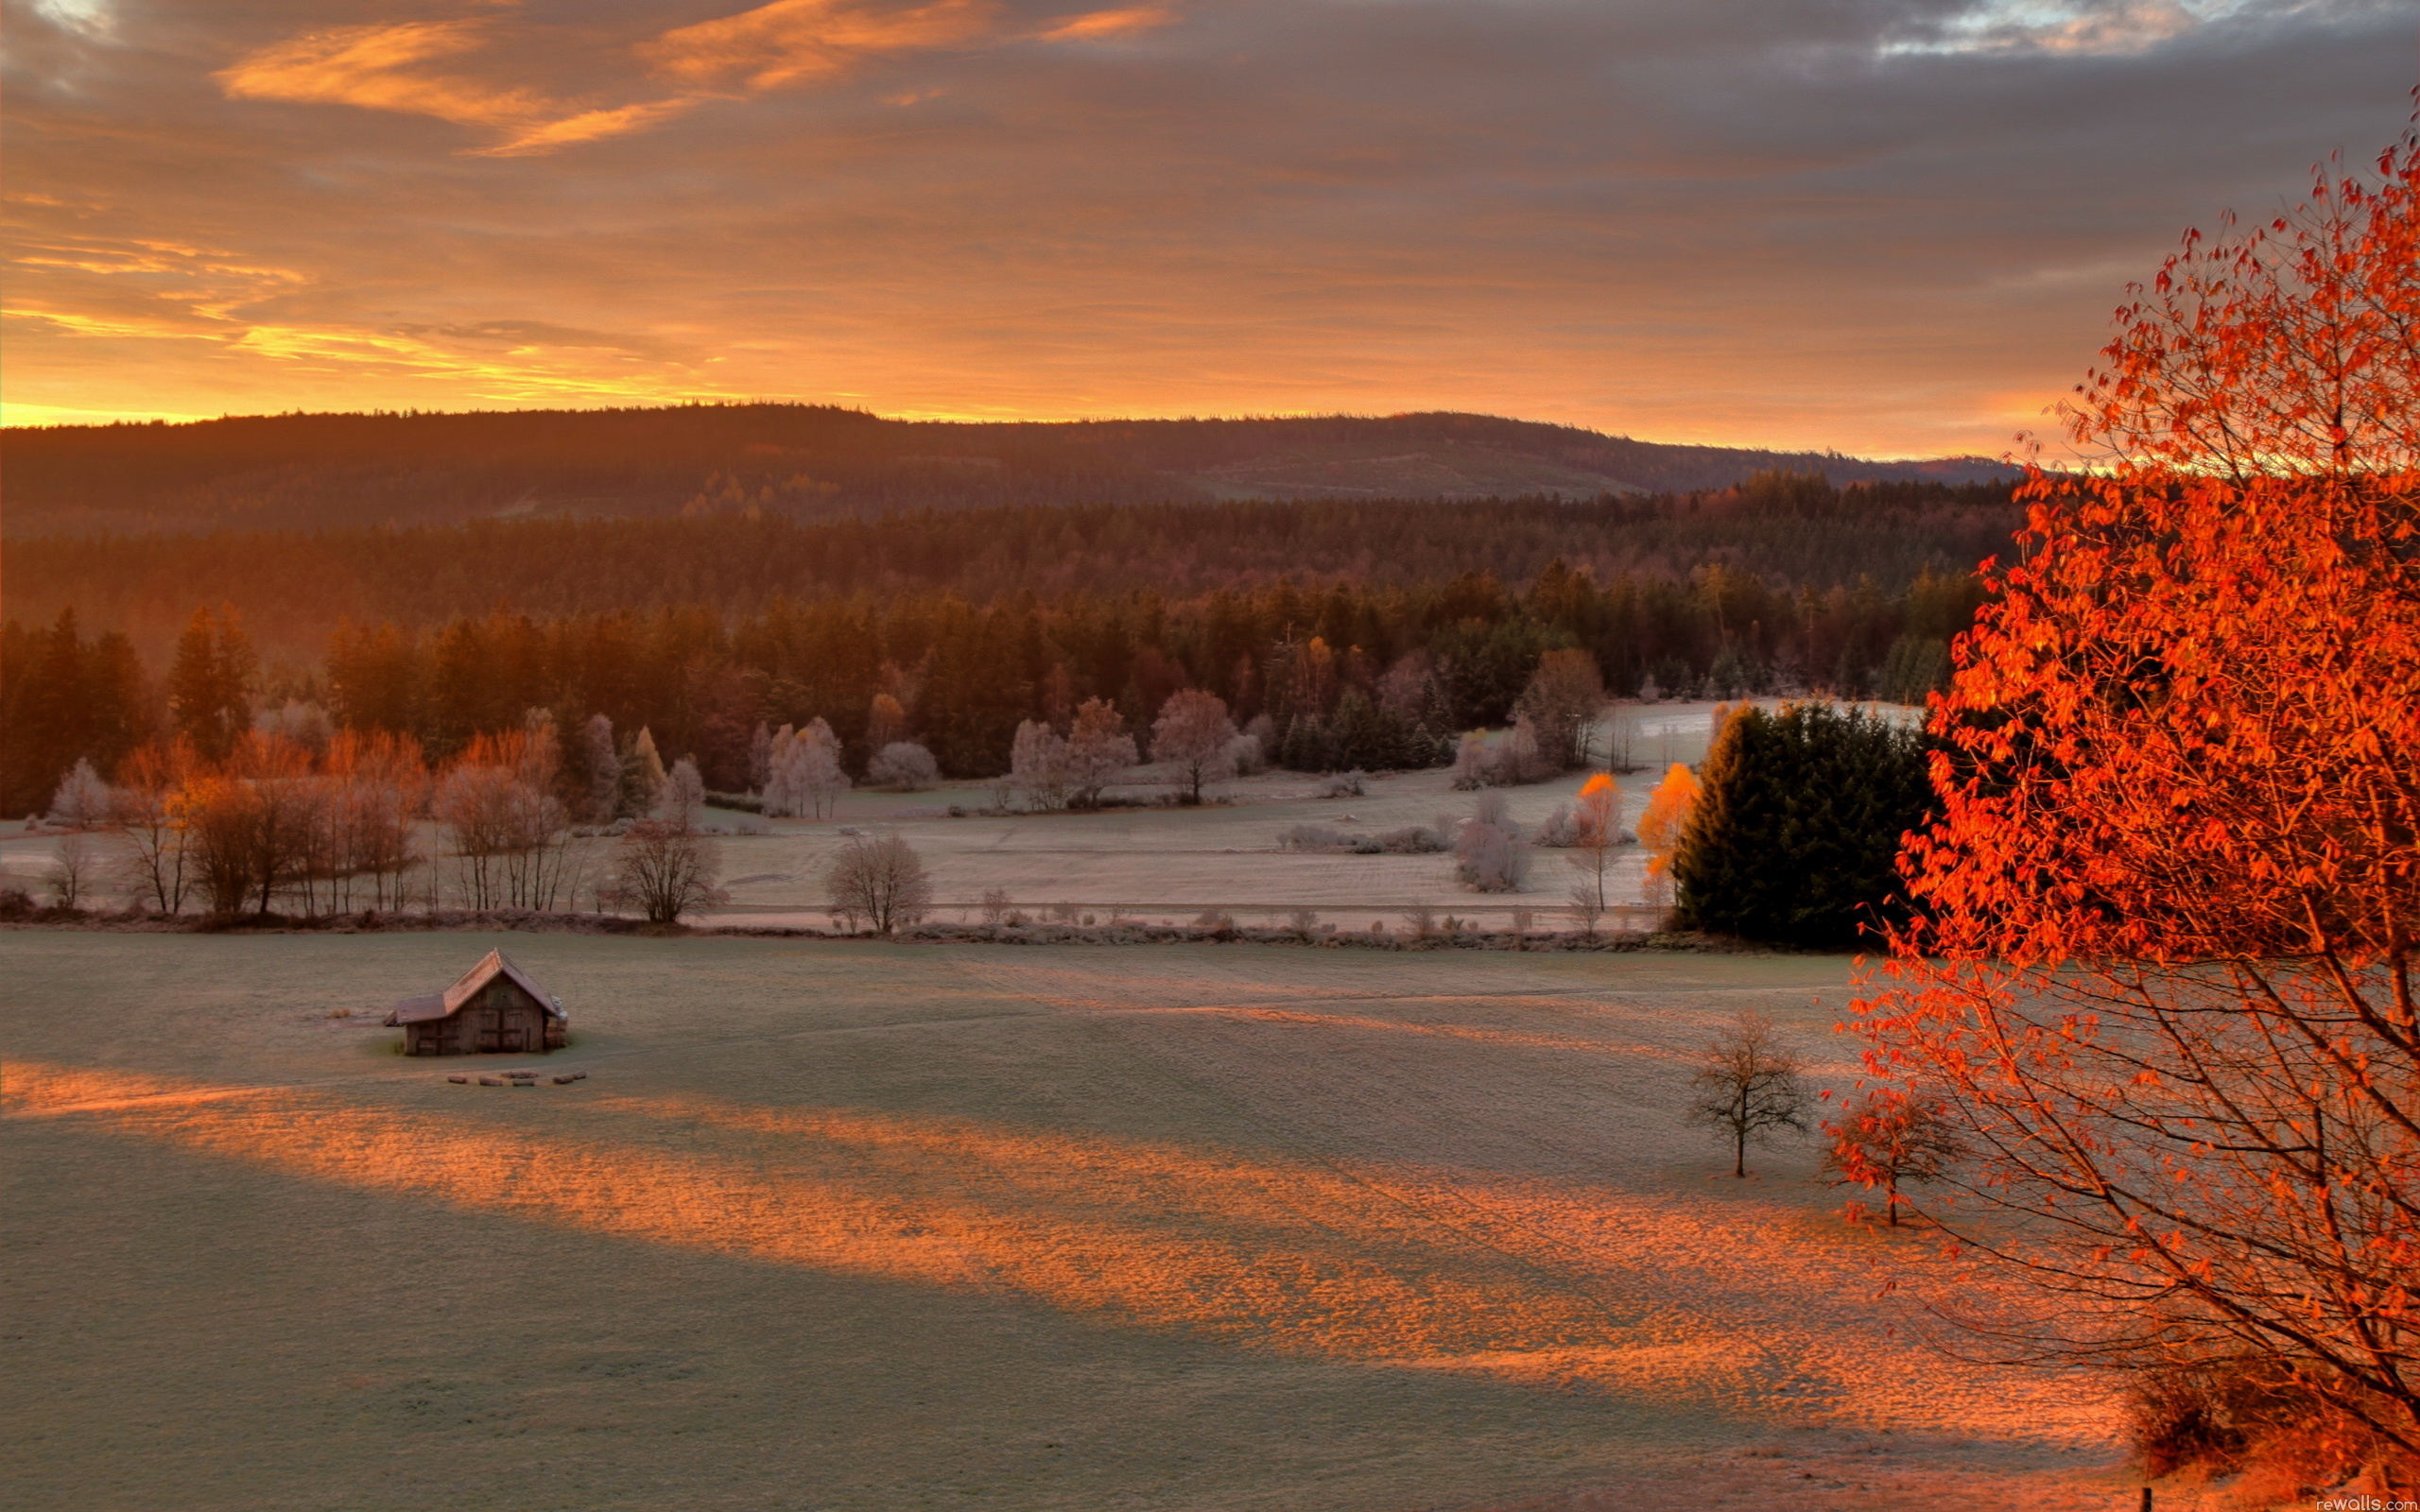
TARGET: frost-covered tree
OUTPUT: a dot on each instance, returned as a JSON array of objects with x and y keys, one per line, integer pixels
[
  {"x": 905, "y": 765},
  {"x": 1194, "y": 736},
  {"x": 760, "y": 756},
  {"x": 880, "y": 880},
  {"x": 1038, "y": 765},
  {"x": 1489, "y": 854},
  {"x": 603, "y": 766},
  {"x": 804, "y": 776},
  {"x": 642, "y": 779},
  {"x": 1099, "y": 752},
  {"x": 83, "y": 801},
  {"x": 684, "y": 800}
]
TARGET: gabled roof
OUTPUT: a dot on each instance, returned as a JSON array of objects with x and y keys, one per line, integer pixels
[{"x": 448, "y": 1002}]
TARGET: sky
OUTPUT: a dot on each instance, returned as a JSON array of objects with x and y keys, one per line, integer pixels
[{"x": 1892, "y": 227}]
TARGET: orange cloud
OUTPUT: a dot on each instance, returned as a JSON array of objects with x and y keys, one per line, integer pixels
[
  {"x": 372, "y": 68},
  {"x": 791, "y": 40},
  {"x": 365, "y": 67},
  {"x": 589, "y": 126},
  {"x": 1102, "y": 26}
]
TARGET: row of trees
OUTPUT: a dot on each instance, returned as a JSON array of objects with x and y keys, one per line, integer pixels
[
  {"x": 1344, "y": 676},
  {"x": 333, "y": 829}
]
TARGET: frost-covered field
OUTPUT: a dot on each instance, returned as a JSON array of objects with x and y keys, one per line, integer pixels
[{"x": 840, "y": 1225}]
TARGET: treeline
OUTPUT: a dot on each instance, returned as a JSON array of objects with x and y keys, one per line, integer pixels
[
  {"x": 1792, "y": 532},
  {"x": 813, "y": 461},
  {"x": 1335, "y": 676}
]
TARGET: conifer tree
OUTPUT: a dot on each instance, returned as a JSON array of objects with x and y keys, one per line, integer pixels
[{"x": 1794, "y": 838}]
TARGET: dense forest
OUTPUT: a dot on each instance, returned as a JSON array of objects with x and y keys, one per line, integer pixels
[
  {"x": 318, "y": 471},
  {"x": 698, "y": 630},
  {"x": 1788, "y": 531}
]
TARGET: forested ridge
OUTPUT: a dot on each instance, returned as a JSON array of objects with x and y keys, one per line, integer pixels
[
  {"x": 317, "y": 471},
  {"x": 292, "y": 588}
]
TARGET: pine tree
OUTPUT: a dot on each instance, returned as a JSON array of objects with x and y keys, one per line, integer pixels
[
  {"x": 210, "y": 683},
  {"x": 1795, "y": 833}
]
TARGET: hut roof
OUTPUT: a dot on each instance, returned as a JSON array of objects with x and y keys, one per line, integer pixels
[{"x": 492, "y": 965}]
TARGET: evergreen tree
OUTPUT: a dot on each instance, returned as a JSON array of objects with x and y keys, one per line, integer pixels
[
  {"x": 642, "y": 779},
  {"x": 1794, "y": 836},
  {"x": 210, "y": 683}
]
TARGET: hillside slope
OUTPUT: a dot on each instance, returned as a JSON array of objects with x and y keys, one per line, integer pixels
[{"x": 316, "y": 472}]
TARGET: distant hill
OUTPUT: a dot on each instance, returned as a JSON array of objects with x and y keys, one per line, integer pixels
[{"x": 806, "y": 462}]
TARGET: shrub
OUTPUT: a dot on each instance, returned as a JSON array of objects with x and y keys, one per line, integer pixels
[
  {"x": 903, "y": 766},
  {"x": 1411, "y": 840},
  {"x": 1489, "y": 855},
  {"x": 1326, "y": 837}
]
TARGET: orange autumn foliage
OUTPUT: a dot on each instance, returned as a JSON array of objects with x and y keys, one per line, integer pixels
[{"x": 2164, "y": 984}]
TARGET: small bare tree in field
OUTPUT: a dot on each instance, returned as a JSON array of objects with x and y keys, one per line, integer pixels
[
  {"x": 1194, "y": 735},
  {"x": 663, "y": 870},
  {"x": 880, "y": 880},
  {"x": 71, "y": 869},
  {"x": 1748, "y": 1087},
  {"x": 1888, "y": 1139}
]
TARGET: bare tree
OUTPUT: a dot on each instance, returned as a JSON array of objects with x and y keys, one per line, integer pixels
[
  {"x": 1747, "y": 1086},
  {"x": 71, "y": 869},
  {"x": 663, "y": 871},
  {"x": 151, "y": 823},
  {"x": 879, "y": 879},
  {"x": 1194, "y": 735}
]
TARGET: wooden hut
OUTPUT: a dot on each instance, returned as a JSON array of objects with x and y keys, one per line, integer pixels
[{"x": 495, "y": 1008}]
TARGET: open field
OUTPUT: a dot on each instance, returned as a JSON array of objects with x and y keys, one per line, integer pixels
[{"x": 851, "y": 1226}]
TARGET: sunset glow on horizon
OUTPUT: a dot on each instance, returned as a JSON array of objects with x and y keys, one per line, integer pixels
[{"x": 1892, "y": 229}]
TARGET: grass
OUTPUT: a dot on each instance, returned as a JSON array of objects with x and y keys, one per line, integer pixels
[{"x": 851, "y": 1226}]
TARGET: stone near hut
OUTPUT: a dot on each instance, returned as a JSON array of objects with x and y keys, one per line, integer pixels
[
  {"x": 493, "y": 1081},
  {"x": 459, "y": 1079},
  {"x": 495, "y": 1008}
]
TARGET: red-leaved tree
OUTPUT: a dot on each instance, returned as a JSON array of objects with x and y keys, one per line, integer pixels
[{"x": 2163, "y": 985}]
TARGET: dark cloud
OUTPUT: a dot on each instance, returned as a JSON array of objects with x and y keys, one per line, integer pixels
[{"x": 1886, "y": 224}]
